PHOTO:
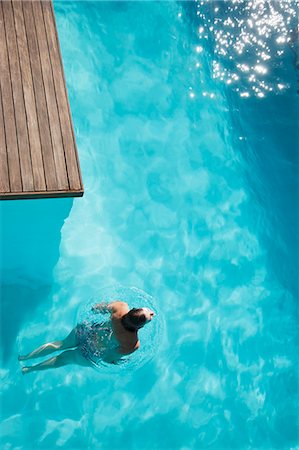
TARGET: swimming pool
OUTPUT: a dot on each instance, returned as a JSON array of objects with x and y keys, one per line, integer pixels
[{"x": 191, "y": 194}]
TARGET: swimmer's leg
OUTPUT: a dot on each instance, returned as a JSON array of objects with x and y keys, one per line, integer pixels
[
  {"x": 65, "y": 358},
  {"x": 44, "y": 350}
]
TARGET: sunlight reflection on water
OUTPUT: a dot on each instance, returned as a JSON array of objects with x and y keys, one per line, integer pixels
[{"x": 249, "y": 39}]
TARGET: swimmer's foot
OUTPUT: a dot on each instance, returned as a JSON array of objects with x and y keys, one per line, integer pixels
[
  {"x": 25, "y": 370},
  {"x": 21, "y": 358}
]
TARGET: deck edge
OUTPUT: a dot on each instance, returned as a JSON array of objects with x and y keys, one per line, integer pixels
[{"x": 40, "y": 195}]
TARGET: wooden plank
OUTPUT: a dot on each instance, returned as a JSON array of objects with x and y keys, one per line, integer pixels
[
  {"x": 61, "y": 95},
  {"x": 59, "y": 157},
  {"x": 4, "y": 175},
  {"x": 39, "y": 158},
  {"x": 37, "y": 86},
  {"x": 20, "y": 115},
  {"x": 29, "y": 98},
  {"x": 8, "y": 112}
]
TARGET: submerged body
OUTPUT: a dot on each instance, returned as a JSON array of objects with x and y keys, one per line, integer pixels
[
  {"x": 93, "y": 341},
  {"x": 110, "y": 340},
  {"x": 97, "y": 341}
]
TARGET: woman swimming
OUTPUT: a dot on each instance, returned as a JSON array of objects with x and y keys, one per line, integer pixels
[{"x": 90, "y": 341}]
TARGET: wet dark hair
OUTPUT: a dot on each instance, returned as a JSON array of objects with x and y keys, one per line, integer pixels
[{"x": 134, "y": 319}]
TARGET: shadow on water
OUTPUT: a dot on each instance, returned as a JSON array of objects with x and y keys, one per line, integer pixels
[{"x": 30, "y": 240}]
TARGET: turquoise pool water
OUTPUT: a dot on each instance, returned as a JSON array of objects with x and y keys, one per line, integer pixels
[{"x": 191, "y": 194}]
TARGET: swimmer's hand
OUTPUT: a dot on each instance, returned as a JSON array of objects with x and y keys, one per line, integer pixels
[{"x": 101, "y": 308}]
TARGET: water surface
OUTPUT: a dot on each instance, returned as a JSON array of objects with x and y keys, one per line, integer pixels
[{"x": 190, "y": 195}]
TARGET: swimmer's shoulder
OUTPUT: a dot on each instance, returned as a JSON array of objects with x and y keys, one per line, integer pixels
[
  {"x": 129, "y": 348},
  {"x": 119, "y": 308}
]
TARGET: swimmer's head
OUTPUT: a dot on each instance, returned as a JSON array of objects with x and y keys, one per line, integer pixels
[{"x": 136, "y": 318}]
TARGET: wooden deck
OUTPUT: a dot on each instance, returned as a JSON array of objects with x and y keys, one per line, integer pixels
[{"x": 38, "y": 155}]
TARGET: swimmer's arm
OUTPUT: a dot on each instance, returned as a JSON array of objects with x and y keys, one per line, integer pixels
[{"x": 105, "y": 308}]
